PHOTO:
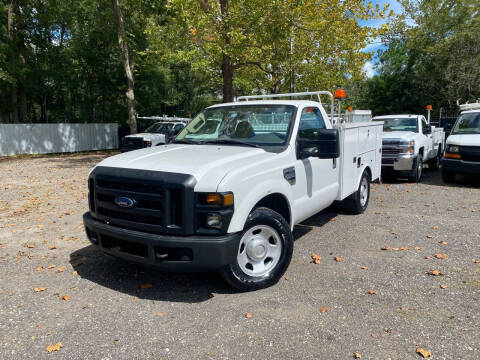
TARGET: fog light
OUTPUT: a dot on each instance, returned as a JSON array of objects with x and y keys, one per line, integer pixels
[{"x": 214, "y": 220}]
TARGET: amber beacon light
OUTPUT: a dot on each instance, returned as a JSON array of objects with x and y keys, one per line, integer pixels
[{"x": 340, "y": 94}]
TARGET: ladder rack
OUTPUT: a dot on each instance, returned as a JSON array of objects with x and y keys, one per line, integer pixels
[
  {"x": 300, "y": 94},
  {"x": 472, "y": 106}
]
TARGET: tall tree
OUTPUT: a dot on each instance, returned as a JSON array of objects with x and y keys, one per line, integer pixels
[
  {"x": 248, "y": 44},
  {"x": 12, "y": 10},
  {"x": 127, "y": 65}
]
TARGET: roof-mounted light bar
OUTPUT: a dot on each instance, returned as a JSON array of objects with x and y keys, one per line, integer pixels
[{"x": 300, "y": 94}]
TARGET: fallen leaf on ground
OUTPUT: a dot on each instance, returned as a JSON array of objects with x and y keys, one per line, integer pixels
[
  {"x": 324, "y": 309},
  {"x": 53, "y": 247},
  {"x": 475, "y": 261},
  {"x": 51, "y": 266},
  {"x": 433, "y": 272},
  {"x": 79, "y": 262},
  {"x": 373, "y": 336},
  {"x": 443, "y": 242},
  {"x": 39, "y": 289},
  {"x": 248, "y": 315},
  {"x": 429, "y": 236},
  {"x": 287, "y": 278},
  {"x": 403, "y": 247},
  {"x": 39, "y": 268},
  {"x": 364, "y": 268},
  {"x": 55, "y": 347},
  {"x": 372, "y": 292},
  {"x": 74, "y": 273},
  {"x": 441, "y": 256},
  {"x": 146, "y": 286},
  {"x": 61, "y": 269},
  {"x": 159, "y": 313},
  {"x": 417, "y": 248},
  {"x": 435, "y": 227},
  {"x": 338, "y": 259},
  {"x": 316, "y": 258},
  {"x": 384, "y": 248},
  {"x": 30, "y": 246},
  {"x": 394, "y": 233},
  {"x": 427, "y": 257},
  {"x": 443, "y": 286},
  {"x": 66, "y": 298},
  {"x": 424, "y": 353},
  {"x": 357, "y": 356}
]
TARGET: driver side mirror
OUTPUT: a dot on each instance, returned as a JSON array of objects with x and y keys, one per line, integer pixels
[
  {"x": 325, "y": 145},
  {"x": 427, "y": 130}
]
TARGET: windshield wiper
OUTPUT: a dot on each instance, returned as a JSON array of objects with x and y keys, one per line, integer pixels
[
  {"x": 230, "y": 142},
  {"x": 184, "y": 141}
]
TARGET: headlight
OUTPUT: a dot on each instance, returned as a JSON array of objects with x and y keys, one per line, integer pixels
[
  {"x": 453, "y": 148},
  {"x": 214, "y": 220}
]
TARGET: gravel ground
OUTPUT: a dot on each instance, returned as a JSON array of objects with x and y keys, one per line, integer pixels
[{"x": 99, "y": 308}]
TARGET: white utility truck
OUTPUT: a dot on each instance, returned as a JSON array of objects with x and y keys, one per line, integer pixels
[
  {"x": 227, "y": 192},
  {"x": 462, "y": 153},
  {"x": 409, "y": 141},
  {"x": 161, "y": 132}
]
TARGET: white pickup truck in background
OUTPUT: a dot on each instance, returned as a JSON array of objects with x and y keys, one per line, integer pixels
[
  {"x": 462, "y": 153},
  {"x": 408, "y": 143},
  {"x": 227, "y": 192},
  {"x": 159, "y": 133}
]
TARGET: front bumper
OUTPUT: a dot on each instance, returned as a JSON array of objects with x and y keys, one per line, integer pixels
[
  {"x": 175, "y": 253},
  {"x": 400, "y": 162},
  {"x": 461, "y": 166}
]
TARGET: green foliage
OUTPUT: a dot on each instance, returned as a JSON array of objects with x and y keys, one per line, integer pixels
[{"x": 434, "y": 61}]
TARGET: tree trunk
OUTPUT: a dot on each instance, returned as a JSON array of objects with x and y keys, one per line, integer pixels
[
  {"x": 12, "y": 8},
  {"x": 132, "y": 120},
  {"x": 227, "y": 74},
  {"x": 227, "y": 67}
]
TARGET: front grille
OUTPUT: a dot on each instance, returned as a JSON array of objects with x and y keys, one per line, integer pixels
[
  {"x": 132, "y": 143},
  {"x": 470, "y": 153},
  {"x": 162, "y": 202},
  {"x": 390, "y": 151}
]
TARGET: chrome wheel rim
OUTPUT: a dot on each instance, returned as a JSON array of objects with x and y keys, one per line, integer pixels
[
  {"x": 420, "y": 169},
  {"x": 259, "y": 250},
  {"x": 363, "y": 192}
]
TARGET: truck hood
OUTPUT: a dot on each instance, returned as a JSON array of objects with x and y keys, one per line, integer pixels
[
  {"x": 207, "y": 163},
  {"x": 147, "y": 136},
  {"x": 405, "y": 135},
  {"x": 464, "y": 140}
]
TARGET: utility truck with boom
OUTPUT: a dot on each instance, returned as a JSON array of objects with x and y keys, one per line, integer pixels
[
  {"x": 409, "y": 141},
  {"x": 227, "y": 192}
]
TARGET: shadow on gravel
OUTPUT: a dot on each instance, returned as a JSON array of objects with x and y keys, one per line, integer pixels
[
  {"x": 434, "y": 178},
  {"x": 128, "y": 278}
]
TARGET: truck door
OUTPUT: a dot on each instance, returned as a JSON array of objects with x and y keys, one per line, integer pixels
[{"x": 317, "y": 184}]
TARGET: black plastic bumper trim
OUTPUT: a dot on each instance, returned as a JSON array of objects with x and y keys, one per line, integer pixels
[{"x": 203, "y": 252}]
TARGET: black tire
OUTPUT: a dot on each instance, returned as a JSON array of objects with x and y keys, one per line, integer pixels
[
  {"x": 448, "y": 176},
  {"x": 416, "y": 176},
  {"x": 434, "y": 164},
  {"x": 240, "y": 280},
  {"x": 355, "y": 203}
]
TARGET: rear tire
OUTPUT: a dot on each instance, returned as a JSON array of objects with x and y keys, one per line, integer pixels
[
  {"x": 264, "y": 252},
  {"x": 416, "y": 176},
  {"x": 357, "y": 203},
  {"x": 448, "y": 176}
]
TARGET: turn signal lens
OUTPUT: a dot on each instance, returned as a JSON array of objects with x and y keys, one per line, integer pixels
[
  {"x": 214, "y": 199},
  {"x": 219, "y": 199},
  {"x": 453, "y": 156},
  {"x": 411, "y": 150}
]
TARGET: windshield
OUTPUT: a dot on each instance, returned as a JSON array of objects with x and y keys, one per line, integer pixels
[
  {"x": 159, "y": 128},
  {"x": 264, "y": 126},
  {"x": 467, "y": 124},
  {"x": 399, "y": 124}
]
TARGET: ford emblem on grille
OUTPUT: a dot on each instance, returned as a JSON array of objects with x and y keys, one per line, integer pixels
[{"x": 124, "y": 202}]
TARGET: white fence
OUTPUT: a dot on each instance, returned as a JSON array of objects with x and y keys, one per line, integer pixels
[{"x": 56, "y": 138}]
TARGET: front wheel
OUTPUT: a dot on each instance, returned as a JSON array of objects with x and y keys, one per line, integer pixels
[
  {"x": 357, "y": 202},
  {"x": 448, "y": 176},
  {"x": 264, "y": 252},
  {"x": 416, "y": 176}
]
